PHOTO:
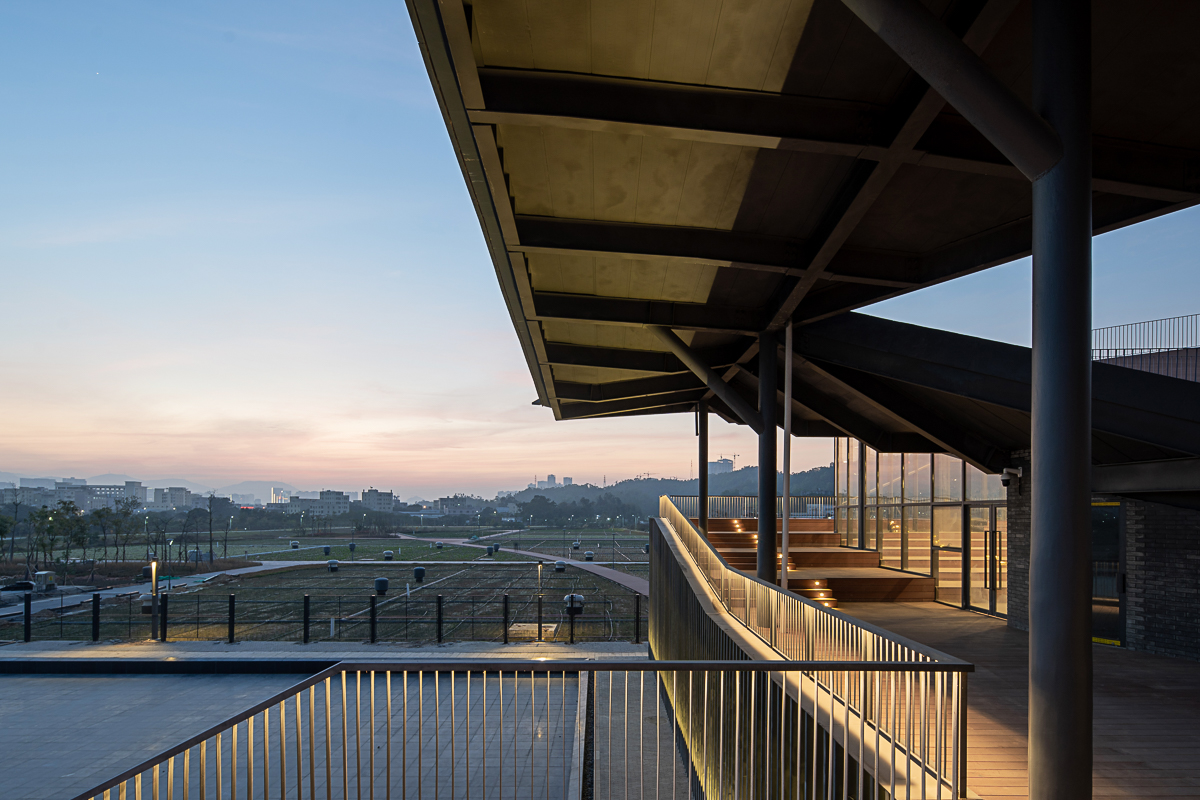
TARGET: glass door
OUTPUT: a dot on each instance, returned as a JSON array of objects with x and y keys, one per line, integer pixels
[{"x": 987, "y": 574}]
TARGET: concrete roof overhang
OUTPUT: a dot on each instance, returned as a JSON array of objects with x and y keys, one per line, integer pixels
[{"x": 721, "y": 169}]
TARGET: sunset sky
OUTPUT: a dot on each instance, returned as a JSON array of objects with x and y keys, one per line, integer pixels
[{"x": 235, "y": 245}]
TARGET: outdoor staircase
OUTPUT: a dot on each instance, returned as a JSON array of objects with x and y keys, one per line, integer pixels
[{"x": 827, "y": 568}]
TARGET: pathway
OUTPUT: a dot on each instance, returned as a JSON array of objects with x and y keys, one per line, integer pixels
[{"x": 1146, "y": 726}]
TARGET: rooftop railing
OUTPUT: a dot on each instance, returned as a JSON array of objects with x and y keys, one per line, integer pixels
[
  {"x": 745, "y": 507},
  {"x": 1168, "y": 346},
  {"x": 929, "y": 736},
  {"x": 569, "y": 729}
]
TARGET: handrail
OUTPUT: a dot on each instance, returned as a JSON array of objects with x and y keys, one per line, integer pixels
[
  {"x": 794, "y": 626},
  {"x": 746, "y": 507},
  {"x": 895, "y": 727}
]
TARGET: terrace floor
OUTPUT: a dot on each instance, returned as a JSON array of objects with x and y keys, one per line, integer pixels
[
  {"x": 1146, "y": 726},
  {"x": 65, "y": 733}
]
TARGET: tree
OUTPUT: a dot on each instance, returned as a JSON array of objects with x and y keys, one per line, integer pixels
[
  {"x": 40, "y": 521},
  {"x": 160, "y": 524},
  {"x": 12, "y": 542},
  {"x": 102, "y": 519},
  {"x": 125, "y": 525},
  {"x": 69, "y": 526},
  {"x": 211, "y": 498},
  {"x": 8, "y": 527}
]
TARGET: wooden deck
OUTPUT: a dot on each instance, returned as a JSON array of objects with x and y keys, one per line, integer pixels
[{"x": 1146, "y": 739}]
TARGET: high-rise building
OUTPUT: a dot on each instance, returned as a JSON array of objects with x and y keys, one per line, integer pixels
[
  {"x": 720, "y": 466},
  {"x": 375, "y": 500},
  {"x": 566, "y": 481}
]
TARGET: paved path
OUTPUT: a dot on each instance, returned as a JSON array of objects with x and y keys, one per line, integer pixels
[{"x": 1146, "y": 724}]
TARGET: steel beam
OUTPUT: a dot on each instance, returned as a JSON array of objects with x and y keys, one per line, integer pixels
[
  {"x": 962, "y": 78},
  {"x": 717, "y": 115},
  {"x": 712, "y": 380},
  {"x": 1060, "y": 636},
  {"x": 962, "y": 442},
  {"x": 627, "y": 311},
  {"x": 768, "y": 364},
  {"x": 1148, "y": 477},
  {"x": 583, "y": 410},
  {"x": 620, "y": 390}
]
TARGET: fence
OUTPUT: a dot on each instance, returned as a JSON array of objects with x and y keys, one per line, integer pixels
[
  {"x": 1168, "y": 347},
  {"x": 743, "y": 507},
  {"x": 509, "y": 729},
  {"x": 801, "y": 630},
  {"x": 374, "y": 618}
]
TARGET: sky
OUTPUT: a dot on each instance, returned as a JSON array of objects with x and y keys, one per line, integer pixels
[{"x": 235, "y": 245}]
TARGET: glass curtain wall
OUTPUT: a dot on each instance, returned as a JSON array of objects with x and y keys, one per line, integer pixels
[{"x": 921, "y": 512}]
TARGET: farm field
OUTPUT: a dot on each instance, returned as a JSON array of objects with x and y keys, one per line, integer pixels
[
  {"x": 621, "y": 549},
  {"x": 270, "y": 606}
]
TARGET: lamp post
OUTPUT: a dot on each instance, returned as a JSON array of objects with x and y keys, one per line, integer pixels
[{"x": 153, "y": 596}]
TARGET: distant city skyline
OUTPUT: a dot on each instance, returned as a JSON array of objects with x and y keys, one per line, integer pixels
[{"x": 258, "y": 262}]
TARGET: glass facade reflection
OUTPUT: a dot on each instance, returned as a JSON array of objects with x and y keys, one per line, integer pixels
[{"x": 932, "y": 514}]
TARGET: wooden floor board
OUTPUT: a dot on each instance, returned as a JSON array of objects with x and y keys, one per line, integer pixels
[{"x": 1146, "y": 712}]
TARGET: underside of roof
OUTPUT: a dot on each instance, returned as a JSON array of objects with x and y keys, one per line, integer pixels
[{"x": 721, "y": 168}]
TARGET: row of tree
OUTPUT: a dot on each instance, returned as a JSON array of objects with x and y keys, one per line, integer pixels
[{"x": 603, "y": 512}]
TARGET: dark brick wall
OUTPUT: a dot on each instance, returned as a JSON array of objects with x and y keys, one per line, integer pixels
[
  {"x": 1162, "y": 570},
  {"x": 1162, "y": 574},
  {"x": 1019, "y": 501}
]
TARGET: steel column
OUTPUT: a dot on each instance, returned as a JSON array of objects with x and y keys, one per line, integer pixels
[
  {"x": 784, "y": 544},
  {"x": 768, "y": 366},
  {"x": 702, "y": 434},
  {"x": 1060, "y": 647}
]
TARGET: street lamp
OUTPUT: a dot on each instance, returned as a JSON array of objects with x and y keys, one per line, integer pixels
[{"x": 153, "y": 596}]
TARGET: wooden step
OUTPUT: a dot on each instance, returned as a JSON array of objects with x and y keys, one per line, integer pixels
[
  {"x": 733, "y": 539},
  {"x": 795, "y": 525},
  {"x": 813, "y": 557},
  {"x": 900, "y": 588}
]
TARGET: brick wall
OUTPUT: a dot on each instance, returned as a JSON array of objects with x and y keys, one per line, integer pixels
[
  {"x": 1019, "y": 507},
  {"x": 1162, "y": 573}
]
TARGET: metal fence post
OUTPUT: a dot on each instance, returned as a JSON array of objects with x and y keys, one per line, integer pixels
[
  {"x": 572, "y": 618},
  {"x": 373, "y": 621},
  {"x": 232, "y": 617},
  {"x": 306, "y": 618},
  {"x": 439, "y": 619},
  {"x": 539, "y": 618},
  {"x": 504, "y": 623},
  {"x": 637, "y": 619},
  {"x": 28, "y": 617},
  {"x": 95, "y": 617},
  {"x": 162, "y": 618}
]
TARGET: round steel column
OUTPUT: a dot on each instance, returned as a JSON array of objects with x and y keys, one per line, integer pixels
[
  {"x": 702, "y": 493},
  {"x": 1060, "y": 645},
  {"x": 768, "y": 367}
]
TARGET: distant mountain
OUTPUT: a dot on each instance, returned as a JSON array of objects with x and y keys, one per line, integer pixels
[
  {"x": 191, "y": 486},
  {"x": 643, "y": 493},
  {"x": 260, "y": 489},
  {"x": 110, "y": 479}
]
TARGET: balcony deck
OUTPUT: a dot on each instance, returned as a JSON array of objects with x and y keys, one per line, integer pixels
[{"x": 1146, "y": 709}]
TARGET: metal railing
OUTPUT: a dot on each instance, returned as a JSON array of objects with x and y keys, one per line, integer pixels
[
  {"x": 211, "y": 616},
  {"x": 744, "y": 507},
  {"x": 1168, "y": 347},
  {"x": 571, "y": 729},
  {"x": 799, "y": 629}
]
